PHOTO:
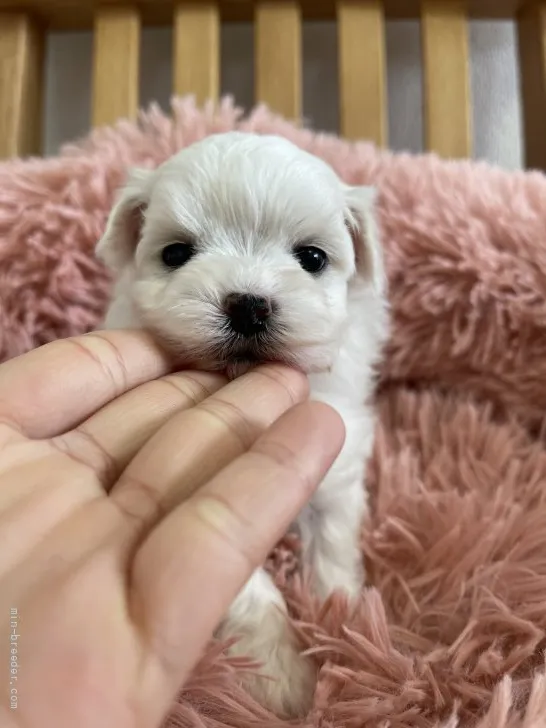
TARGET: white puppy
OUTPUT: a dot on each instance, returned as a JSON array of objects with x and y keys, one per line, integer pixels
[{"x": 244, "y": 248}]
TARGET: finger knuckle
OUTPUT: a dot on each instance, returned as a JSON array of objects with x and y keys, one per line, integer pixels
[
  {"x": 139, "y": 503},
  {"x": 230, "y": 527},
  {"x": 192, "y": 389},
  {"x": 106, "y": 356},
  {"x": 292, "y": 383},
  {"x": 84, "y": 449},
  {"x": 279, "y": 456},
  {"x": 233, "y": 419}
]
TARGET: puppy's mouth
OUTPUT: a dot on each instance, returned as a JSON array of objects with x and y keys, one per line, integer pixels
[{"x": 233, "y": 356}]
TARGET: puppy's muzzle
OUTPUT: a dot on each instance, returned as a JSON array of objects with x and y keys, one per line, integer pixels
[{"x": 247, "y": 315}]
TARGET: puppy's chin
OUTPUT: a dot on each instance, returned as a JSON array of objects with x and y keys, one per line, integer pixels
[
  {"x": 207, "y": 356},
  {"x": 238, "y": 367}
]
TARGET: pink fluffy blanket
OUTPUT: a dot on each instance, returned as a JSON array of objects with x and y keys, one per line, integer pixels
[{"x": 452, "y": 632}]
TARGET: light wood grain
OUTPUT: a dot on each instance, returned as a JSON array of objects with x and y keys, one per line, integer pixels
[
  {"x": 362, "y": 70},
  {"x": 278, "y": 57},
  {"x": 197, "y": 50},
  {"x": 532, "y": 53},
  {"x": 446, "y": 78},
  {"x": 78, "y": 14},
  {"x": 21, "y": 62},
  {"x": 115, "y": 64}
]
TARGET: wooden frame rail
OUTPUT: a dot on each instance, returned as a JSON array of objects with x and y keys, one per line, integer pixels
[{"x": 278, "y": 60}]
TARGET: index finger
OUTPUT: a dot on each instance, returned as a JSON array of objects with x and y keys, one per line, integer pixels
[{"x": 52, "y": 389}]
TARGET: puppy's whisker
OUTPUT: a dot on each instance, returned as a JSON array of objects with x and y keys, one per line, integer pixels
[{"x": 307, "y": 343}]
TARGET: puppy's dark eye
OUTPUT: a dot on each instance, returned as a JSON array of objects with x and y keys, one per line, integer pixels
[
  {"x": 176, "y": 255},
  {"x": 311, "y": 258}
]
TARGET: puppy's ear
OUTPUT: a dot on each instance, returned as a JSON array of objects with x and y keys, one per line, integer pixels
[
  {"x": 361, "y": 222},
  {"x": 121, "y": 236}
]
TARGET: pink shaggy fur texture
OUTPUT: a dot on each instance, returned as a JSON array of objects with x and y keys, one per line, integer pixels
[{"x": 453, "y": 629}]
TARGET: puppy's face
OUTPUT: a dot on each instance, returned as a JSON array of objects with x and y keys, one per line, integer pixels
[{"x": 243, "y": 249}]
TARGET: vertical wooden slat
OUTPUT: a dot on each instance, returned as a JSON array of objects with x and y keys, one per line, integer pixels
[
  {"x": 197, "y": 50},
  {"x": 446, "y": 77},
  {"x": 115, "y": 64},
  {"x": 362, "y": 70},
  {"x": 278, "y": 57},
  {"x": 532, "y": 54},
  {"x": 21, "y": 63}
]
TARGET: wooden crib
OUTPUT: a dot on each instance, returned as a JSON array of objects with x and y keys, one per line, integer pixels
[{"x": 278, "y": 61}]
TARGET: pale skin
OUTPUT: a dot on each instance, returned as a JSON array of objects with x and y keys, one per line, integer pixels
[{"x": 134, "y": 504}]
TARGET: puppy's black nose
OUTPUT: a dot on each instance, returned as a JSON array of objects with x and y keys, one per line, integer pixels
[{"x": 247, "y": 314}]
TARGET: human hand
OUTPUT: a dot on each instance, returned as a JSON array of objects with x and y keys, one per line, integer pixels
[{"x": 134, "y": 504}]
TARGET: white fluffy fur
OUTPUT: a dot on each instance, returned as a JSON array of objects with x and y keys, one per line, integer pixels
[{"x": 247, "y": 201}]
